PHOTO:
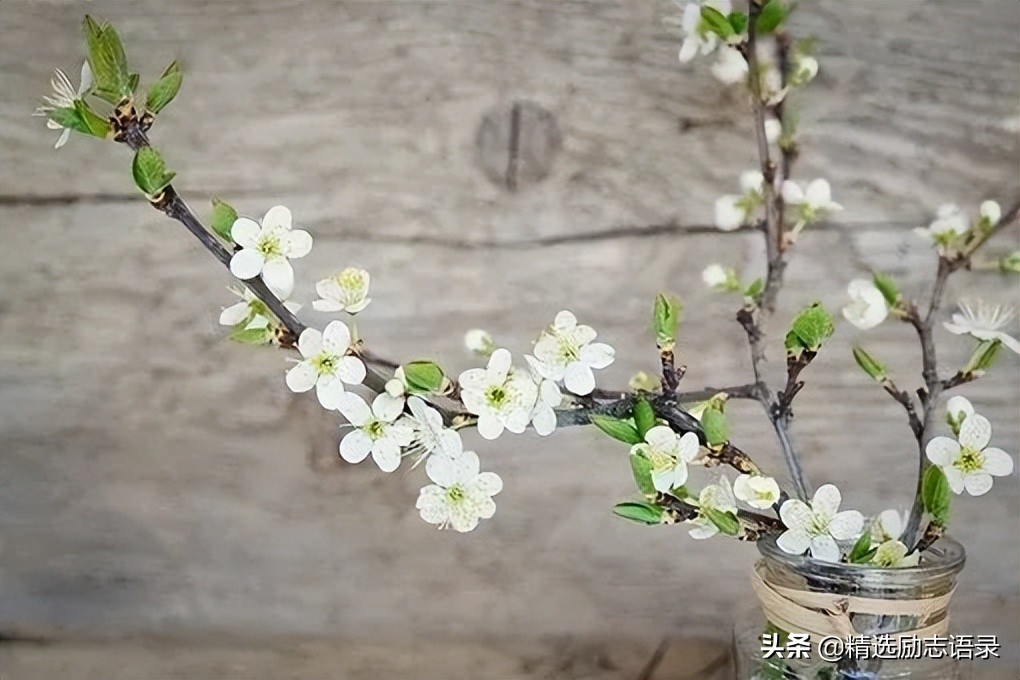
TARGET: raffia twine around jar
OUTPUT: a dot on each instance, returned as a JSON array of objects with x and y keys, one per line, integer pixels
[{"x": 802, "y": 595}]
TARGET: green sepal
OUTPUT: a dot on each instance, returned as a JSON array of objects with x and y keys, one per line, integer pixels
[
  {"x": 164, "y": 90},
  {"x": 252, "y": 336},
  {"x": 726, "y": 522},
  {"x": 717, "y": 430},
  {"x": 644, "y": 417},
  {"x": 150, "y": 172},
  {"x": 771, "y": 15},
  {"x": 222, "y": 219},
  {"x": 936, "y": 495},
  {"x": 643, "y": 513},
  {"x": 641, "y": 468},
  {"x": 622, "y": 430},
  {"x": 423, "y": 377},
  {"x": 861, "y": 552}
]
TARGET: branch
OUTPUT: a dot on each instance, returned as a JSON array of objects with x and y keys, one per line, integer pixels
[{"x": 752, "y": 525}]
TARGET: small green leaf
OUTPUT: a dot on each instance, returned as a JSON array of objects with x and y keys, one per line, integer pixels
[
  {"x": 754, "y": 289},
  {"x": 810, "y": 328},
  {"x": 70, "y": 118},
  {"x": 771, "y": 15},
  {"x": 1010, "y": 262},
  {"x": 666, "y": 319},
  {"x": 982, "y": 357},
  {"x": 621, "y": 430},
  {"x": 107, "y": 60},
  {"x": 223, "y": 218},
  {"x": 644, "y": 417},
  {"x": 164, "y": 90},
  {"x": 714, "y": 21},
  {"x": 252, "y": 336},
  {"x": 861, "y": 552},
  {"x": 738, "y": 20},
  {"x": 133, "y": 81},
  {"x": 641, "y": 467},
  {"x": 890, "y": 291},
  {"x": 936, "y": 495},
  {"x": 726, "y": 522},
  {"x": 423, "y": 377},
  {"x": 643, "y": 513},
  {"x": 869, "y": 365},
  {"x": 97, "y": 127},
  {"x": 150, "y": 172},
  {"x": 717, "y": 430}
]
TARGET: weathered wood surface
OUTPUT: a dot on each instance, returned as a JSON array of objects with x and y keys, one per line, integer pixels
[{"x": 154, "y": 477}]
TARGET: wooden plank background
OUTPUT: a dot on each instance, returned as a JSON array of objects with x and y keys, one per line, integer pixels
[{"x": 155, "y": 478}]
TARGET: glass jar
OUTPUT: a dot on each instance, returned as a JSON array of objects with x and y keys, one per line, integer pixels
[{"x": 867, "y": 656}]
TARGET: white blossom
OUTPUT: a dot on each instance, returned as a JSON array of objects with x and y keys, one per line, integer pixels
[
  {"x": 429, "y": 434},
  {"x": 730, "y": 214},
  {"x": 669, "y": 455},
  {"x": 949, "y": 223},
  {"x": 868, "y": 307},
  {"x": 714, "y": 276},
  {"x": 543, "y": 416},
  {"x": 892, "y": 554},
  {"x": 250, "y": 309},
  {"x": 983, "y": 321},
  {"x": 566, "y": 351},
  {"x": 991, "y": 212},
  {"x": 773, "y": 130},
  {"x": 730, "y": 67},
  {"x": 397, "y": 385},
  {"x": 695, "y": 39},
  {"x": 817, "y": 527},
  {"x": 345, "y": 292},
  {"x": 814, "y": 201},
  {"x": 889, "y": 525},
  {"x": 460, "y": 494},
  {"x": 500, "y": 396},
  {"x": 968, "y": 462},
  {"x": 480, "y": 342},
  {"x": 957, "y": 410},
  {"x": 758, "y": 491},
  {"x": 718, "y": 497},
  {"x": 267, "y": 249},
  {"x": 804, "y": 70},
  {"x": 377, "y": 430},
  {"x": 63, "y": 97},
  {"x": 326, "y": 364}
]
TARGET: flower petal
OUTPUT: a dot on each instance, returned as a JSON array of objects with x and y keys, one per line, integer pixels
[
  {"x": 794, "y": 541},
  {"x": 598, "y": 355},
  {"x": 244, "y": 232},
  {"x": 279, "y": 276},
  {"x": 330, "y": 390},
  {"x": 490, "y": 427},
  {"x": 688, "y": 447},
  {"x": 488, "y": 483},
  {"x": 278, "y": 217},
  {"x": 579, "y": 379},
  {"x": 301, "y": 377},
  {"x": 336, "y": 338},
  {"x": 792, "y": 193},
  {"x": 297, "y": 243},
  {"x": 826, "y": 500},
  {"x": 234, "y": 314},
  {"x": 499, "y": 365},
  {"x": 564, "y": 321},
  {"x": 818, "y": 193},
  {"x": 824, "y": 548},
  {"x": 544, "y": 420},
  {"x": 387, "y": 408},
  {"x": 355, "y": 446},
  {"x": 795, "y": 515},
  {"x": 997, "y": 462},
  {"x": 977, "y": 483},
  {"x": 663, "y": 480},
  {"x": 942, "y": 451},
  {"x": 354, "y": 408},
  {"x": 846, "y": 525},
  {"x": 351, "y": 370},
  {"x": 386, "y": 455},
  {"x": 975, "y": 432},
  {"x": 247, "y": 264},
  {"x": 432, "y": 505},
  {"x": 663, "y": 438},
  {"x": 327, "y": 306},
  {"x": 955, "y": 479},
  {"x": 310, "y": 342}
]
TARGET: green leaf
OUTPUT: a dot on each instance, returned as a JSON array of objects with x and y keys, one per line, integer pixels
[
  {"x": 644, "y": 417},
  {"x": 714, "y": 21},
  {"x": 150, "y": 172},
  {"x": 643, "y": 513},
  {"x": 726, "y": 522},
  {"x": 771, "y": 15},
  {"x": 164, "y": 90},
  {"x": 717, "y": 430},
  {"x": 133, "y": 81},
  {"x": 108, "y": 61},
  {"x": 666, "y": 319},
  {"x": 982, "y": 357},
  {"x": 738, "y": 20},
  {"x": 890, "y": 291},
  {"x": 622, "y": 430},
  {"x": 71, "y": 118},
  {"x": 423, "y": 377},
  {"x": 869, "y": 365},
  {"x": 97, "y": 127},
  {"x": 641, "y": 467},
  {"x": 1010, "y": 262},
  {"x": 755, "y": 289},
  {"x": 810, "y": 328},
  {"x": 223, "y": 218},
  {"x": 252, "y": 336},
  {"x": 936, "y": 495},
  {"x": 861, "y": 552}
]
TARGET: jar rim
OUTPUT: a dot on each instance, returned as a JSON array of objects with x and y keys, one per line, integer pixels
[{"x": 945, "y": 557}]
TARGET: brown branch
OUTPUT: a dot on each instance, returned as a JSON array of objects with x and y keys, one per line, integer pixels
[{"x": 752, "y": 525}]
